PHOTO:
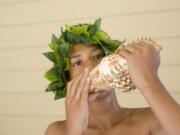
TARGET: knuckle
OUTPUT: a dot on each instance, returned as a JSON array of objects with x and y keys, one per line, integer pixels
[
  {"x": 83, "y": 98},
  {"x": 76, "y": 100}
]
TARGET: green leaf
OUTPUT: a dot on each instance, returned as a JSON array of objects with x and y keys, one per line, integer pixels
[
  {"x": 62, "y": 39},
  {"x": 53, "y": 86},
  {"x": 70, "y": 37},
  {"x": 60, "y": 93},
  {"x": 80, "y": 29},
  {"x": 85, "y": 40},
  {"x": 95, "y": 38},
  {"x": 110, "y": 45},
  {"x": 67, "y": 64},
  {"x": 101, "y": 35},
  {"x": 64, "y": 49},
  {"x": 105, "y": 49},
  {"x": 52, "y": 74},
  {"x": 95, "y": 27},
  {"x": 53, "y": 46},
  {"x": 50, "y": 56},
  {"x": 54, "y": 39}
]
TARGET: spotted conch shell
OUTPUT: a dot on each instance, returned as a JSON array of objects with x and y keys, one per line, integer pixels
[{"x": 112, "y": 71}]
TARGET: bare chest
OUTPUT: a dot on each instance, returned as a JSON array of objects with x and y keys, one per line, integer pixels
[{"x": 136, "y": 130}]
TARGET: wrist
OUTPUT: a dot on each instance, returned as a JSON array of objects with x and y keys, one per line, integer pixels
[{"x": 148, "y": 83}]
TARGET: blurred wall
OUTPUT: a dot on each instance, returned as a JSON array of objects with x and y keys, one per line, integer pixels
[{"x": 25, "y": 31}]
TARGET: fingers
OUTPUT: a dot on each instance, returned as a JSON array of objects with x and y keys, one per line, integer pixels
[
  {"x": 74, "y": 86},
  {"x": 129, "y": 49},
  {"x": 79, "y": 87},
  {"x": 82, "y": 84},
  {"x": 124, "y": 52},
  {"x": 86, "y": 88},
  {"x": 132, "y": 47},
  {"x": 68, "y": 88},
  {"x": 139, "y": 45},
  {"x": 148, "y": 45}
]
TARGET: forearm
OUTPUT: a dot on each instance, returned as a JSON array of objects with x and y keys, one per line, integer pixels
[{"x": 163, "y": 105}]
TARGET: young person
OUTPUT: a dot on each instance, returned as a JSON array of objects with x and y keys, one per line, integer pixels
[{"x": 99, "y": 113}]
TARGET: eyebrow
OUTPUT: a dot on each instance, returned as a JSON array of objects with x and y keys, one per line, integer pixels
[{"x": 94, "y": 49}]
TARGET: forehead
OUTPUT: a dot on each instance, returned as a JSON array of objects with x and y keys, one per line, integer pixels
[{"x": 81, "y": 48}]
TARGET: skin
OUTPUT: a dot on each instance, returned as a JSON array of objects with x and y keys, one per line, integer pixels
[{"x": 99, "y": 113}]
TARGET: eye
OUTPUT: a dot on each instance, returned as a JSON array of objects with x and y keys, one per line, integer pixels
[
  {"x": 76, "y": 63},
  {"x": 98, "y": 57}
]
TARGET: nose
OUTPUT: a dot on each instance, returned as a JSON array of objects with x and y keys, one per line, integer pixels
[{"x": 91, "y": 64}]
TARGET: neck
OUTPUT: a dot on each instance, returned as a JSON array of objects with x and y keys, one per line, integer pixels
[{"x": 104, "y": 110}]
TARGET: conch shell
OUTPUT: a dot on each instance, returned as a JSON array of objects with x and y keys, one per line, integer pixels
[{"x": 112, "y": 71}]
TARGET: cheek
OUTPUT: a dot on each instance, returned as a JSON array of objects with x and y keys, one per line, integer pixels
[{"x": 75, "y": 72}]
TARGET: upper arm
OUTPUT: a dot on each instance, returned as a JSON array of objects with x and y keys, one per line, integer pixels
[
  {"x": 156, "y": 128},
  {"x": 55, "y": 128}
]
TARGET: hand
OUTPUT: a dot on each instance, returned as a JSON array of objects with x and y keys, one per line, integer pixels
[
  {"x": 77, "y": 104},
  {"x": 143, "y": 61}
]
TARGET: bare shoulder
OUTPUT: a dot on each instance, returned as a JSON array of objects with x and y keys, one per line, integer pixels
[
  {"x": 144, "y": 115},
  {"x": 56, "y": 128},
  {"x": 141, "y": 113},
  {"x": 149, "y": 120}
]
